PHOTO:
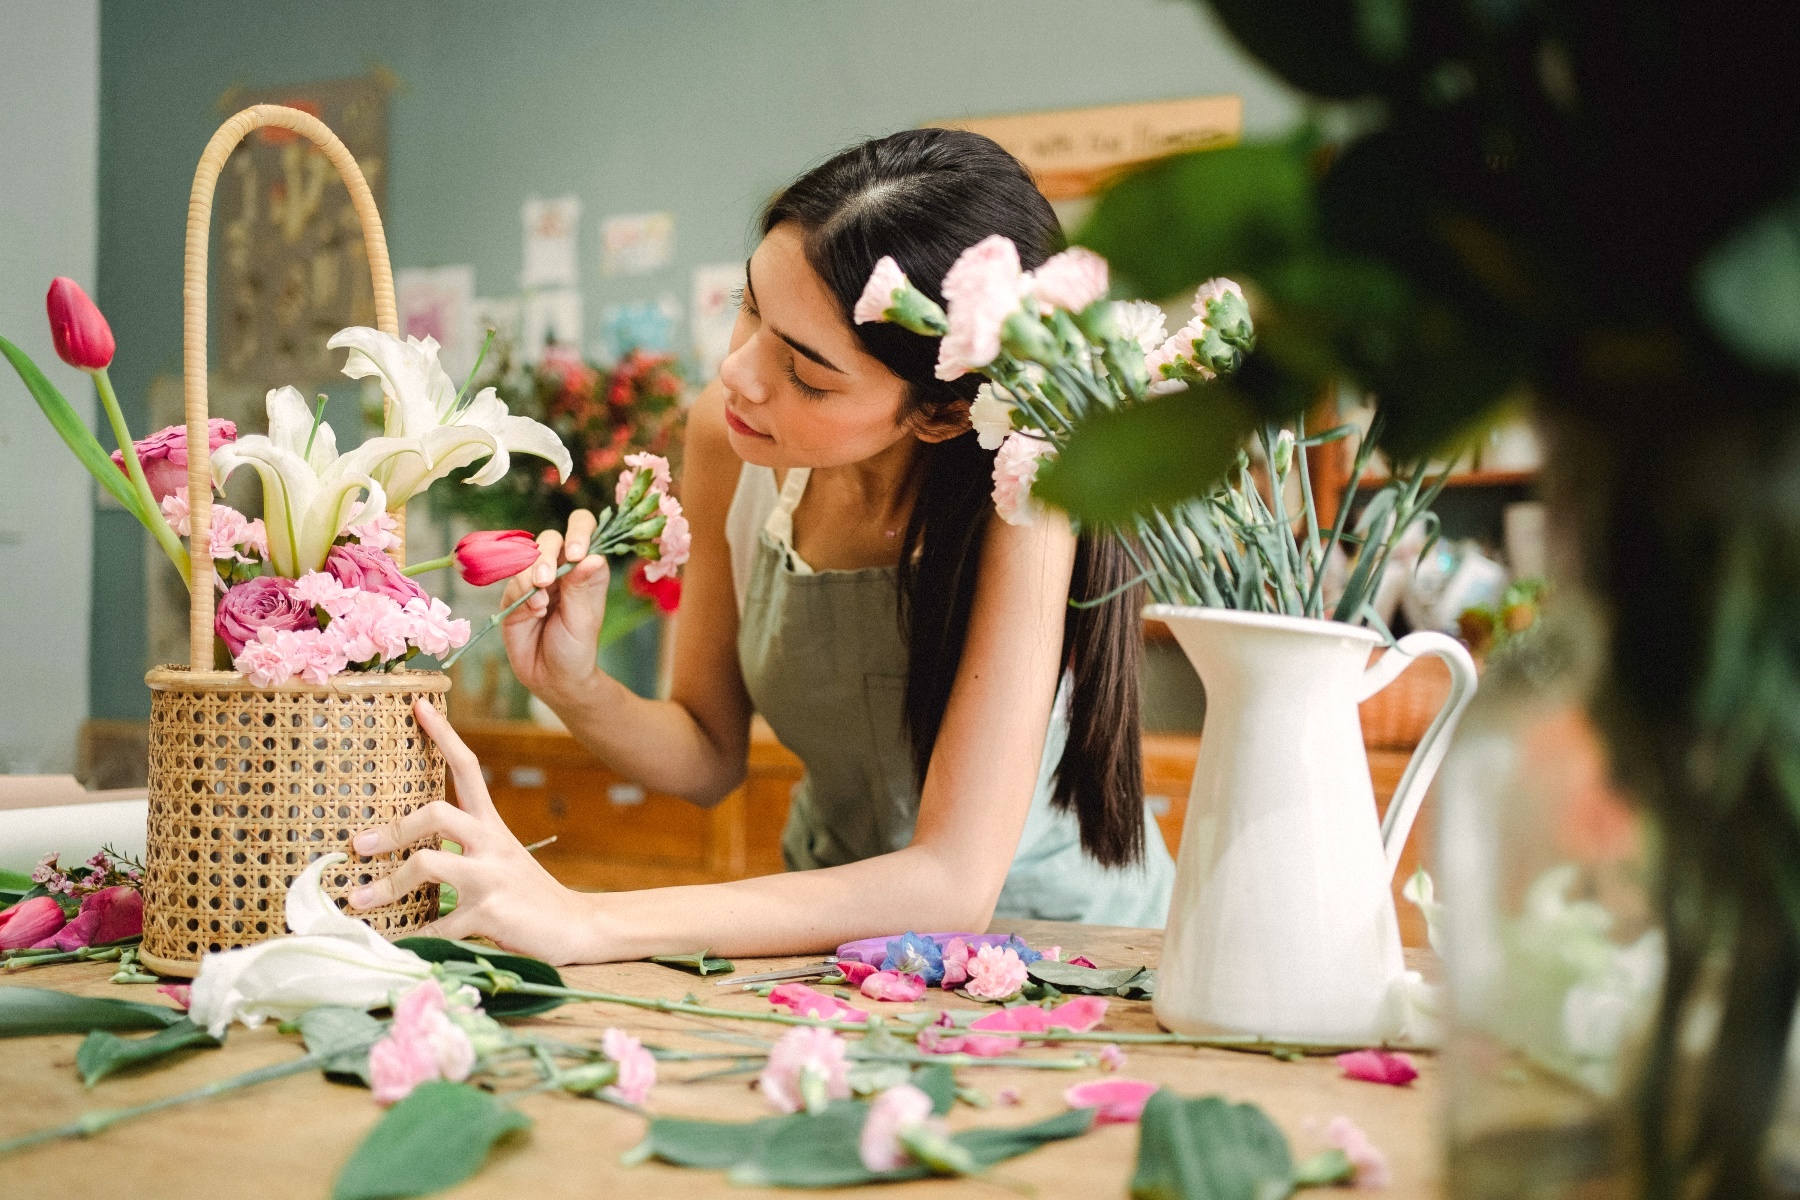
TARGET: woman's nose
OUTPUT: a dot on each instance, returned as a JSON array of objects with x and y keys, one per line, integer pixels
[{"x": 739, "y": 375}]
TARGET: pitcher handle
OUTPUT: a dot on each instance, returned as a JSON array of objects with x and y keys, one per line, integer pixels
[{"x": 1423, "y": 765}]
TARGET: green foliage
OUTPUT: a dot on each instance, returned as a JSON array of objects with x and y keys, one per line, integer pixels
[
  {"x": 102, "y": 1053},
  {"x": 506, "y": 1006},
  {"x": 340, "y": 1038},
  {"x": 1209, "y": 1149},
  {"x": 1135, "y": 983},
  {"x": 432, "y": 1140},
  {"x": 697, "y": 964},
  {"x": 76, "y": 435},
  {"x": 1121, "y": 462},
  {"x": 27, "y": 1012},
  {"x": 939, "y": 1082}
]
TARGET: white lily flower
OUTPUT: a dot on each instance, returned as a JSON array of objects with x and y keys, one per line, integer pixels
[
  {"x": 328, "y": 958},
  {"x": 309, "y": 494},
  {"x": 422, "y": 410}
]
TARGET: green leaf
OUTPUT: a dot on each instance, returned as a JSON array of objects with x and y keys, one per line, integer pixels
[
  {"x": 102, "y": 1053},
  {"x": 1124, "y": 462},
  {"x": 1748, "y": 288},
  {"x": 717, "y": 1145},
  {"x": 75, "y": 433},
  {"x": 1209, "y": 1149},
  {"x": 1095, "y": 981},
  {"x": 939, "y": 1082},
  {"x": 343, "y": 1037},
  {"x": 1327, "y": 1168},
  {"x": 698, "y": 964},
  {"x": 505, "y": 1006},
  {"x": 26, "y": 1012},
  {"x": 434, "y": 1139}
]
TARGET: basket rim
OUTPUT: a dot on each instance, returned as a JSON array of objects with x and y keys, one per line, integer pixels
[{"x": 173, "y": 677}]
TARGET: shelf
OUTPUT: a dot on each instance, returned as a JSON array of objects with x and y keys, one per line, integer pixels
[{"x": 1470, "y": 479}]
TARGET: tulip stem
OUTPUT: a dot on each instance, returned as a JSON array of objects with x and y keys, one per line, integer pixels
[
  {"x": 153, "y": 521},
  {"x": 493, "y": 622},
  {"x": 430, "y": 564}
]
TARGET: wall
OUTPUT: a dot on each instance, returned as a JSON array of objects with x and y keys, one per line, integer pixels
[
  {"x": 49, "y": 122},
  {"x": 701, "y": 108}
]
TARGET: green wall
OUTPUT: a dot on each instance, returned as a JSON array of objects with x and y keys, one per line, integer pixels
[{"x": 701, "y": 108}]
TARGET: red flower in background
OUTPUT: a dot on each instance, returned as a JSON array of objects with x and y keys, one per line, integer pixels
[{"x": 666, "y": 592}]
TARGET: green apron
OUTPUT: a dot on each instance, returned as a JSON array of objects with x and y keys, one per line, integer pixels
[{"x": 825, "y": 664}]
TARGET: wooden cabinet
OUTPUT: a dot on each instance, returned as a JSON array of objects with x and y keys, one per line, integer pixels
[{"x": 613, "y": 835}]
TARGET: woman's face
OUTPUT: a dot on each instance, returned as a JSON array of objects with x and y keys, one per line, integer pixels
[{"x": 800, "y": 391}]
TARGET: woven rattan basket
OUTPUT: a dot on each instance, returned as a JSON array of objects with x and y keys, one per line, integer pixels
[{"x": 248, "y": 785}]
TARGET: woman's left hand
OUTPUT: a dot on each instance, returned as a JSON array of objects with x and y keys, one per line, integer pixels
[{"x": 502, "y": 892}]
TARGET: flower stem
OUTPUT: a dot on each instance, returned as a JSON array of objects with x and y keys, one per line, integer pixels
[
  {"x": 430, "y": 564},
  {"x": 152, "y": 519},
  {"x": 493, "y": 622}
]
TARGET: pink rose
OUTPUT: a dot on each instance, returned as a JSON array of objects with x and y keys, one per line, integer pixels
[
  {"x": 956, "y": 964},
  {"x": 357, "y": 566},
  {"x": 878, "y": 294},
  {"x": 637, "y": 1066},
  {"x": 981, "y": 289},
  {"x": 806, "y": 1060},
  {"x": 30, "y": 923},
  {"x": 996, "y": 973},
  {"x": 893, "y": 986},
  {"x": 164, "y": 457},
  {"x": 893, "y": 1113},
  {"x": 1071, "y": 280},
  {"x": 1015, "y": 470},
  {"x": 266, "y": 602}
]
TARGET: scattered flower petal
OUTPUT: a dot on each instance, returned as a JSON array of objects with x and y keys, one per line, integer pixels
[
  {"x": 855, "y": 972},
  {"x": 1111, "y": 1057},
  {"x": 1008, "y": 1097},
  {"x": 1370, "y": 1163},
  {"x": 800, "y": 1052},
  {"x": 180, "y": 993},
  {"x": 1119, "y": 1100},
  {"x": 1378, "y": 1066},
  {"x": 956, "y": 963},
  {"x": 803, "y": 1001},
  {"x": 894, "y": 986}
]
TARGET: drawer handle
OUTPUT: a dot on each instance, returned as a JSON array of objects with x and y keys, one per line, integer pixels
[
  {"x": 526, "y": 777},
  {"x": 624, "y": 795}
]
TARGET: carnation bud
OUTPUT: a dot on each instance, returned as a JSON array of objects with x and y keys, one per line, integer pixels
[
  {"x": 1284, "y": 451},
  {"x": 1024, "y": 337},
  {"x": 589, "y": 1078}
]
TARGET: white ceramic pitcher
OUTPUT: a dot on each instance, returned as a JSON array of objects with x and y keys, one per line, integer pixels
[{"x": 1282, "y": 922}]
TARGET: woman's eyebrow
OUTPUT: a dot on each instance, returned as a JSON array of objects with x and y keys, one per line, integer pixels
[{"x": 798, "y": 347}]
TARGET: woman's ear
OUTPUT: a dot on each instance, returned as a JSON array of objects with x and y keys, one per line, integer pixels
[{"x": 952, "y": 420}]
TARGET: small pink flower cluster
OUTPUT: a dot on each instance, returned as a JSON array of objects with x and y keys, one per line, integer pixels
[
  {"x": 806, "y": 1058},
  {"x": 985, "y": 286},
  {"x": 1015, "y": 470},
  {"x": 637, "y": 1066},
  {"x": 232, "y": 533},
  {"x": 102, "y": 871},
  {"x": 423, "y": 1044},
  {"x": 676, "y": 540},
  {"x": 1179, "y": 352},
  {"x": 996, "y": 973}
]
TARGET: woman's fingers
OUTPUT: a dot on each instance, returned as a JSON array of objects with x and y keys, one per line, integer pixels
[
  {"x": 465, "y": 769},
  {"x": 439, "y": 818},
  {"x": 425, "y": 866},
  {"x": 543, "y": 572},
  {"x": 581, "y": 532}
]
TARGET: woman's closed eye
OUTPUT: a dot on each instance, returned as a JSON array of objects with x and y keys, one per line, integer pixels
[{"x": 806, "y": 389}]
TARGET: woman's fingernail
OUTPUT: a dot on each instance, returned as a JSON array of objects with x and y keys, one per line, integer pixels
[
  {"x": 365, "y": 843},
  {"x": 543, "y": 575},
  {"x": 362, "y": 897},
  {"x": 576, "y": 551}
]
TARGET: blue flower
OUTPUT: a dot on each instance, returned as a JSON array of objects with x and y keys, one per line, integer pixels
[
  {"x": 1026, "y": 954},
  {"x": 914, "y": 955}
]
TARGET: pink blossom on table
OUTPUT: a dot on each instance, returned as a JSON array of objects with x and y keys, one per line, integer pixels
[
  {"x": 855, "y": 972},
  {"x": 878, "y": 294},
  {"x": 893, "y": 1112},
  {"x": 433, "y": 629},
  {"x": 110, "y": 915},
  {"x": 1118, "y": 1100},
  {"x": 803, "y": 1001},
  {"x": 368, "y": 570},
  {"x": 1378, "y": 1066},
  {"x": 1015, "y": 470},
  {"x": 656, "y": 464},
  {"x": 1082, "y": 960},
  {"x": 933, "y": 1040},
  {"x": 956, "y": 964},
  {"x": 800, "y": 1052},
  {"x": 1071, "y": 280},
  {"x": 1370, "y": 1163},
  {"x": 164, "y": 456},
  {"x": 30, "y": 923},
  {"x": 673, "y": 543},
  {"x": 379, "y": 532},
  {"x": 181, "y": 993},
  {"x": 1054, "y": 954},
  {"x": 996, "y": 973},
  {"x": 637, "y": 1066},
  {"x": 422, "y": 1044},
  {"x": 1008, "y": 1097},
  {"x": 322, "y": 590},
  {"x": 1077, "y": 1015},
  {"x": 981, "y": 289},
  {"x": 1111, "y": 1057},
  {"x": 896, "y": 986},
  {"x": 265, "y": 602}
]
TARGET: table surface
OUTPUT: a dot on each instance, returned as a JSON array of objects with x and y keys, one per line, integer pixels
[{"x": 288, "y": 1138}]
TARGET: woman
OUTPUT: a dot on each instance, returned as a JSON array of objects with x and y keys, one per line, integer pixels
[{"x": 971, "y": 740}]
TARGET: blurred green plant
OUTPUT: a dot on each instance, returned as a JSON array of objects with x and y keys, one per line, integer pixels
[{"x": 1594, "y": 202}]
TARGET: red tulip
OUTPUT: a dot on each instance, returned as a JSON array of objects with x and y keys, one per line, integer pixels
[
  {"x": 106, "y": 916},
  {"x": 29, "y": 923},
  {"x": 82, "y": 336},
  {"x": 491, "y": 555}
]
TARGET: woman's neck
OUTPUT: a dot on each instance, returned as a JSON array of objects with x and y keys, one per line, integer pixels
[{"x": 853, "y": 516}]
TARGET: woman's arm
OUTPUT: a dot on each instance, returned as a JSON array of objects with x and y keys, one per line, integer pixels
[
  {"x": 977, "y": 792},
  {"x": 693, "y": 744}
]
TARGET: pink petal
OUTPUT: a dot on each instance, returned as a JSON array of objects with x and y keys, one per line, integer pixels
[
  {"x": 803, "y": 1001},
  {"x": 180, "y": 993},
  {"x": 1082, "y": 960},
  {"x": 1378, "y": 1066},
  {"x": 977, "y": 1044},
  {"x": 1119, "y": 1100},
  {"x": 74, "y": 935},
  {"x": 1079, "y": 1014},
  {"x": 30, "y": 923},
  {"x": 121, "y": 913},
  {"x": 1026, "y": 1018},
  {"x": 893, "y": 986},
  {"x": 855, "y": 972}
]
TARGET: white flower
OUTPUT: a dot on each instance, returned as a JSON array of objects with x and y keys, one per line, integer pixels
[
  {"x": 991, "y": 414},
  {"x": 982, "y": 288},
  {"x": 878, "y": 293},
  {"x": 1015, "y": 471},
  {"x": 1143, "y": 322},
  {"x": 1215, "y": 289},
  {"x": 422, "y": 412},
  {"x": 328, "y": 958},
  {"x": 1423, "y": 893}
]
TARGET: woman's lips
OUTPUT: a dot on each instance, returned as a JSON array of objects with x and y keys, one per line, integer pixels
[{"x": 738, "y": 426}]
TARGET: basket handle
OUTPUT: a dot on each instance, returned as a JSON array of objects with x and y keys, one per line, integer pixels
[{"x": 193, "y": 333}]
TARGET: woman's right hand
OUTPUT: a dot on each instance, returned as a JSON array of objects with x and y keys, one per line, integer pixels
[{"x": 553, "y": 639}]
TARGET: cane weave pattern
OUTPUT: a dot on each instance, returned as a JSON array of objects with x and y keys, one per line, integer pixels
[{"x": 248, "y": 786}]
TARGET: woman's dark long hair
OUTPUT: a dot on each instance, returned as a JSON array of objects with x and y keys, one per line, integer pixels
[{"x": 923, "y": 196}]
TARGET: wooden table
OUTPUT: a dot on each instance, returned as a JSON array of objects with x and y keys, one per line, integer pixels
[{"x": 288, "y": 1138}]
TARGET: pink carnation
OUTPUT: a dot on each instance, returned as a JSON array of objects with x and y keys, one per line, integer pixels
[
  {"x": 1370, "y": 1163},
  {"x": 1215, "y": 289},
  {"x": 322, "y": 590},
  {"x": 380, "y": 532},
  {"x": 164, "y": 457},
  {"x": 894, "y": 986},
  {"x": 1015, "y": 470},
  {"x": 878, "y": 294},
  {"x": 894, "y": 1111},
  {"x": 637, "y": 1066},
  {"x": 996, "y": 973},
  {"x": 803, "y": 1052},
  {"x": 656, "y": 464},
  {"x": 323, "y": 655},
  {"x": 422, "y": 1044},
  {"x": 232, "y": 534},
  {"x": 1071, "y": 280},
  {"x": 433, "y": 630},
  {"x": 373, "y": 627},
  {"x": 981, "y": 289},
  {"x": 674, "y": 542}
]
